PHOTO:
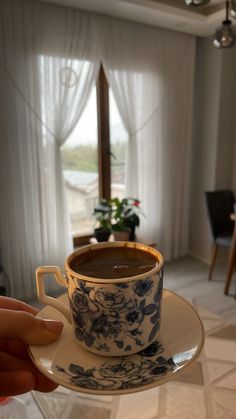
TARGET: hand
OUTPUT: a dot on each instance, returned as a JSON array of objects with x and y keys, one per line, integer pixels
[{"x": 18, "y": 328}]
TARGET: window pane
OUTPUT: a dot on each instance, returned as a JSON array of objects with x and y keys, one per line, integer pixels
[
  {"x": 119, "y": 143},
  {"x": 80, "y": 169}
]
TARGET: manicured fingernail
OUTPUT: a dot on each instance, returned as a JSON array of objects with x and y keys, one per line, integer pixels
[{"x": 53, "y": 326}]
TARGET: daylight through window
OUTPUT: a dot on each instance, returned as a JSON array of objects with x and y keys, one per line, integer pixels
[{"x": 81, "y": 163}]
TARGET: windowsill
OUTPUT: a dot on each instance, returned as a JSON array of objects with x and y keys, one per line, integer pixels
[{"x": 80, "y": 241}]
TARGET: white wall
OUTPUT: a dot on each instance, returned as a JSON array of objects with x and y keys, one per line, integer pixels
[{"x": 213, "y": 144}]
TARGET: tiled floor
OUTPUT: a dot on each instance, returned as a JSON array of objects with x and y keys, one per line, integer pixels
[
  {"x": 189, "y": 278},
  {"x": 207, "y": 390}
]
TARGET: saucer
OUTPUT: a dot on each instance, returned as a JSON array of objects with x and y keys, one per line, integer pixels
[{"x": 178, "y": 344}]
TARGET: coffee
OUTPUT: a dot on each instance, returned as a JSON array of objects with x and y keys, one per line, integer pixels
[{"x": 113, "y": 263}]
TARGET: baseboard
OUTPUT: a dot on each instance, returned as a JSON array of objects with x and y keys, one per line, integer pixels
[
  {"x": 200, "y": 258},
  {"x": 221, "y": 258}
]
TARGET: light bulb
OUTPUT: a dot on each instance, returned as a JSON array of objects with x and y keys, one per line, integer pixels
[{"x": 224, "y": 36}]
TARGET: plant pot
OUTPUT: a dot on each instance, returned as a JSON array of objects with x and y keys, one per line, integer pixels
[
  {"x": 102, "y": 234},
  {"x": 121, "y": 235}
]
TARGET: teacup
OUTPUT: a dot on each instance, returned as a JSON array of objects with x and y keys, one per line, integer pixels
[{"x": 111, "y": 314}]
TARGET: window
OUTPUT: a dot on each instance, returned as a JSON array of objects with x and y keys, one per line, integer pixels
[
  {"x": 93, "y": 159},
  {"x": 80, "y": 169}
]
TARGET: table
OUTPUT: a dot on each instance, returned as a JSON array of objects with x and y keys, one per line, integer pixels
[{"x": 232, "y": 257}]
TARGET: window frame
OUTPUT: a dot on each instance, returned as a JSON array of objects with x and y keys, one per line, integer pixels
[{"x": 104, "y": 152}]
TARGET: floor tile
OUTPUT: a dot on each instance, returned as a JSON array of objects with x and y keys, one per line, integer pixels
[
  {"x": 228, "y": 382},
  {"x": 218, "y": 369},
  {"x": 192, "y": 375}
]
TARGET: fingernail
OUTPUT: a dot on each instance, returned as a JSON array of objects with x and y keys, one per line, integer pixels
[{"x": 53, "y": 326}]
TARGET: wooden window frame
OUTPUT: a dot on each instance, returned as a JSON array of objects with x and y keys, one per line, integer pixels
[{"x": 104, "y": 153}]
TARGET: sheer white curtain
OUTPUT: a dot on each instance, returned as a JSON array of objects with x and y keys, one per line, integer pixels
[
  {"x": 151, "y": 73},
  {"x": 48, "y": 67},
  {"x": 49, "y": 60}
]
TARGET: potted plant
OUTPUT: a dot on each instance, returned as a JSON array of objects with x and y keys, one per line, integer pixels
[
  {"x": 102, "y": 214},
  {"x": 125, "y": 218}
]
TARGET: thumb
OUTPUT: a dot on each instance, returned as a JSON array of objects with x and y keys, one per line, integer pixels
[{"x": 27, "y": 328}]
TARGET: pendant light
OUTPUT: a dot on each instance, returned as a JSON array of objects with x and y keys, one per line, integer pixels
[
  {"x": 196, "y": 2},
  {"x": 224, "y": 36}
]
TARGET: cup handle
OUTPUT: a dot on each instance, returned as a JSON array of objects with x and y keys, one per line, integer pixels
[{"x": 46, "y": 299}]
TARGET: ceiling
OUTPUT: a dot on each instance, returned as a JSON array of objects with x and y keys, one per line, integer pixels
[{"x": 171, "y": 14}]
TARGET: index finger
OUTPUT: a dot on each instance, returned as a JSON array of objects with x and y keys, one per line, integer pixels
[{"x": 13, "y": 304}]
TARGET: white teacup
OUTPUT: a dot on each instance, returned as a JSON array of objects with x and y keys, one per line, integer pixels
[{"x": 113, "y": 317}]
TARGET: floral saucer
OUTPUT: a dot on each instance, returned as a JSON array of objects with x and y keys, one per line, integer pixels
[{"x": 179, "y": 343}]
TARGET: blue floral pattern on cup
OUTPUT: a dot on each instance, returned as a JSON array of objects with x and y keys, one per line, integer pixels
[
  {"x": 116, "y": 314},
  {"x": 143, "y": 287},
  {"x": 124, "y": 373}
]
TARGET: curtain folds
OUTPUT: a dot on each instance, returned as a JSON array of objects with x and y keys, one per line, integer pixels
[
  {"x": 151, "y": 75},
  {"x": 49, "y": 60},
  {"x": 48, "y": 67}
]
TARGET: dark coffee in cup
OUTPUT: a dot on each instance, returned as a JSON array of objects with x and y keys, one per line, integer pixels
[{"x": 112, "y": 263}]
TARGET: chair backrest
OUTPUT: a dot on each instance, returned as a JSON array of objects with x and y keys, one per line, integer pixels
[{"x": 220, "y": 204}]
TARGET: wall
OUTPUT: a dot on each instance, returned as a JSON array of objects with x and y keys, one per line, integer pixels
[
  {"x": 213, "y": 136},
  {"x": 234, "y": 165},
  {"x": 227, "y": 114}
]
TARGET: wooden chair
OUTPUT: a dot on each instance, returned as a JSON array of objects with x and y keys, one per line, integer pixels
[{"x": 219, "y": 205}]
